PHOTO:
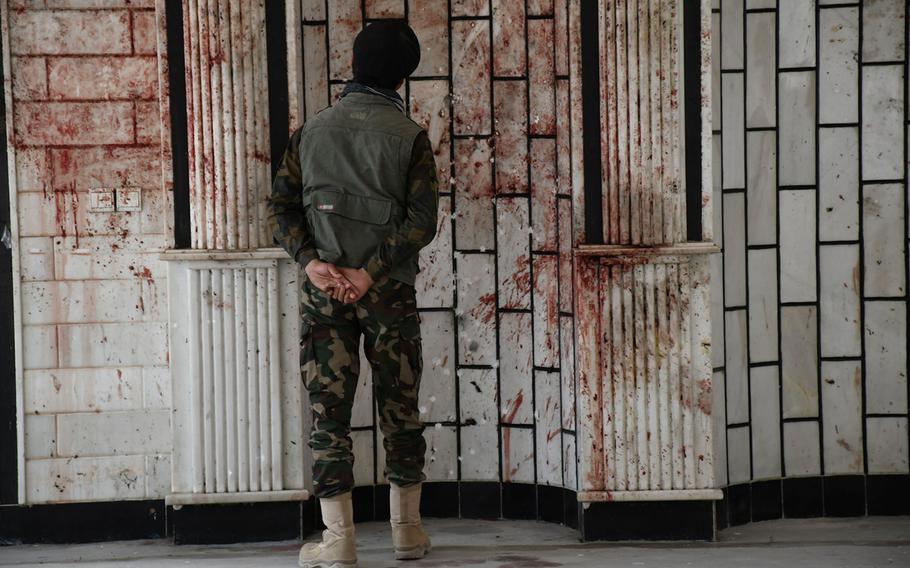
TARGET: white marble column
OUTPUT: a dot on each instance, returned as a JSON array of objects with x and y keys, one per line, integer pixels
[{"x": 238, "y": 424}]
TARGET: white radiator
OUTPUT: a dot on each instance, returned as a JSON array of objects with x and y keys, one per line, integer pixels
[
  {"x": 238, "y": 420},
  {"x": 644, "y": 350}
]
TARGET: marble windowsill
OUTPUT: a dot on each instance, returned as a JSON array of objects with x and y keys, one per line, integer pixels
[
  {"x": 172, "y": 255},
  {"x": 692, "y": 248}
]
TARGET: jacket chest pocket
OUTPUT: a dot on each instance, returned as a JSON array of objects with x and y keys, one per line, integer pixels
[{"x": 335, "y": 202}]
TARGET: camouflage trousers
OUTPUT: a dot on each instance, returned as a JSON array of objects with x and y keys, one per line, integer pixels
[{"x": 388, "y": 320}]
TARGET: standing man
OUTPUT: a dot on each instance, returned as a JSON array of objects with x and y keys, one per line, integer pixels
[{"x": 354, "y": 201}]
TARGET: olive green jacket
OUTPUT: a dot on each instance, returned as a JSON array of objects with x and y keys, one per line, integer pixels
[{"x": 357, "y": 187}]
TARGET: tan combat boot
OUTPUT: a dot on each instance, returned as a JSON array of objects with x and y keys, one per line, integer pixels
[
  {"x": 411, "y": 542},
  {"x": 337, "y": 549}
]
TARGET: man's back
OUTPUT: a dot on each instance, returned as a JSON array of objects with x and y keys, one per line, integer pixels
[{"x": 354, "y": 161}]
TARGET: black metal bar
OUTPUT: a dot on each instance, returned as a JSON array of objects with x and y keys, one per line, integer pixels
[
  {"x": 277, "y": 49},
  {"x": 591, "y": 122},
  {"x": 179, "y": 142},
  {"x": 692, "y": 83}
]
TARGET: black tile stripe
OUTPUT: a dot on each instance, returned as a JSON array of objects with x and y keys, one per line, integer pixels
[
  {"x": 692, "y": 86},
  {"x": 9, "y": 450},
  {"x": 179, "y": 132},
  {"x": 591, "y": 151},
  {"x": 277, "y": 62},
  {"x": 745, "y": 154},
  {"x": 862, "y": 253},
  {"x": 906, "y": 70}
]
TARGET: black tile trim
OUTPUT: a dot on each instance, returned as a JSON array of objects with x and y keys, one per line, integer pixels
[
  {"x": 766, "y": 500},
  {"x": 519, "y": 501},
  {"x": 845, "y": 496},
  {"x": 801, "y": 497},
  {"x": 9, "y": 451},
  {"x": 82, "y": 522},
  {"x": 591, "y": 123},
  {"x": 241, "y": 522},
  {"x": 179, "y": 133},
  {"x": 648, "y": 520},
  {"x": 277, "y": 77},
  {"x": 815, "y": 496},
  {"x": 480, "y": 500},
  {"x": 888, "y": 494}
]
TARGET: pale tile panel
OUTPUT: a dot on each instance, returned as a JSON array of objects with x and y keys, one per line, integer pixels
[
  {"x": 838, "y": 65},
  {"x": 83, "y": 390},
  {"x": 442, "y": 454},
  {"x": 438, "y": 385},
  {"x": 801, "y": 449},
  {"x": 765, "y": 423},
  {"x": 797, "y": 127},
  {"x": 883, "y": 30},
  {"x": 839, "y": 302},
  {"x": 797, "y": 246},
  {"x": 842, "y": 428},
  {"x": 435, "y": 282},
  {"x": 731, "y": 34},
  {"x": 40, "y": 436},
  {"x": 761, "y": 187},
  {"x": 886, "y": 357},
  {"x": 113, "y": 344},
  {"x": 838, "y": 184},
  {"x": 884, "y": 273},
  {"x": 734, "y": 250},
  {"x": 734, "y": 124},
  {"x": 476, "y": 309},
  {"x": 548, "y": 444},
  {"x": 739, "y": 460},
  {"x": 515, "y": 369},
  {"x": 114, "y": 433},
  {"x": 799, "y": 361},
  {"x": 763, "y": 306},
  {"x": 762, "y": 75},
  {"x": 797, "y": 33},
  {"x": 887, "y": 445},
  {"x": 480, "y": 417},
  {"x": 883, "y": 119},
  {"x": 737, "y": 369},
  {"x": 86, "y": 479}
]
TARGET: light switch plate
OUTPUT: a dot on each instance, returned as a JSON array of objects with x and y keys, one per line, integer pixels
[
  {"x": 129, "y": 199},
  {"x": 101, "y": 200}
]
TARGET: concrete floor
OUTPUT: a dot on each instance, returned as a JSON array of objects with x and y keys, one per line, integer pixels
[{"x": 815, "y": 543}]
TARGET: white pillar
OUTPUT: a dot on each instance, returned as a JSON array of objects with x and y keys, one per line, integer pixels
[{"x": 238, "y": 422}]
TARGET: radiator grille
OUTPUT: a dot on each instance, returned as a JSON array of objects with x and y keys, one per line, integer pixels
[{"x": 235, "y": 379}]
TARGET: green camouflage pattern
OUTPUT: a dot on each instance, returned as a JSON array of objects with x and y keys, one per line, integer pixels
[
  {"x": 286, "y": 219},
  {"x": 388, "y": 319},
  {"x": 419, "y": 226}
]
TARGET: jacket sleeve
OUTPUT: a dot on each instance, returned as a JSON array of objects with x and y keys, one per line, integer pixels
[
  {"x": 419, "y": 226},
  {"x": 286, "y": 219}
]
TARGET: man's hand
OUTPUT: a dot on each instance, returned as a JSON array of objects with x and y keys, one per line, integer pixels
[
  {"x": 360, "y": 280},
  {"x": 328, "y": 278}
]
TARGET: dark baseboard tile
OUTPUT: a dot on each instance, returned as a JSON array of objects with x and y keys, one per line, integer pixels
[{"x": 815, "y": 496}]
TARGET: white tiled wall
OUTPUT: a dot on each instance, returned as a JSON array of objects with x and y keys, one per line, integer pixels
[
  {"x": 810, "y": 138},
  {"x": 96, "y": 385},
  {"x": 495, "y": 290}
]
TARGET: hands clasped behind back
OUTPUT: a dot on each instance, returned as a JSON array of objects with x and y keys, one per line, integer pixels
[{"x": 346, "y": 285}]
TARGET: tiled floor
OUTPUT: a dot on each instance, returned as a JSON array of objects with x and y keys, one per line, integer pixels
[{"x": 828, "y": 543}]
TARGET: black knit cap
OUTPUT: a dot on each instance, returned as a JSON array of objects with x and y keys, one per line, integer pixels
[{"x": 385, "y": 52}]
